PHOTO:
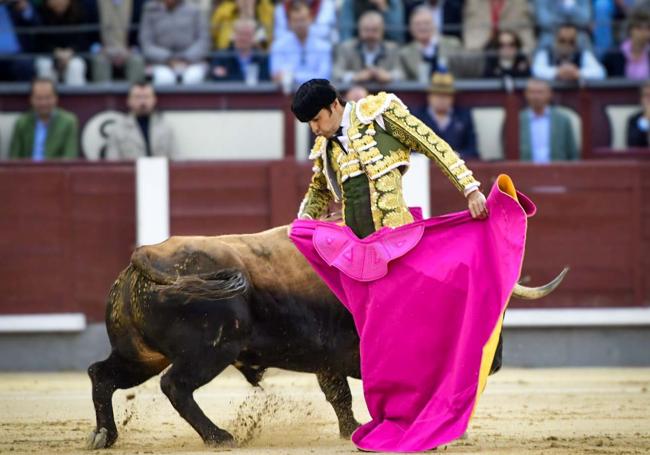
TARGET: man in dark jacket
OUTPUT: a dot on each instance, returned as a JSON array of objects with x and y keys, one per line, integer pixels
[
  {"x": 242, "y": 62},
  {"x": 452, "y": 123},
  {"x": 638, "y": 125}
]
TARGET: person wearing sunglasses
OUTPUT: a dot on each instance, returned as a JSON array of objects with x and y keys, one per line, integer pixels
[
  {"x": 566, "y": 60},
  {"x": 504, "y": 56}
]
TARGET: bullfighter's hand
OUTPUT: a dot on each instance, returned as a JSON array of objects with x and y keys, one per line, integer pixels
[{"x": 476, "y": 205}]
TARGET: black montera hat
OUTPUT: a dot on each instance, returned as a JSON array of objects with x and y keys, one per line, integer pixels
[{"x": 311, "y": 97}]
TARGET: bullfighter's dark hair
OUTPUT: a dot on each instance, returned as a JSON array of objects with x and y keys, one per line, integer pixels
[{"x": 312, "y": 96}]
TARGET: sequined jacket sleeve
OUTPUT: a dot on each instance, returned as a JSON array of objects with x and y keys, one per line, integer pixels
[
  {"x": 413, "y": 133},
  {"x": 316, "y": 201}
]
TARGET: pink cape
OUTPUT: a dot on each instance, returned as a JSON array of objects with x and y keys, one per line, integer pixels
[{"x": 427, "y": 300}]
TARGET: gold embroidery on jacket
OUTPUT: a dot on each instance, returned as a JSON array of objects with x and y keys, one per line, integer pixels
[
  {"x": 410, "y": 131},
  {"x": 316, "y": 200},
  {"x": 394, "y": 160},
  {"x": 384, "y": 170}
]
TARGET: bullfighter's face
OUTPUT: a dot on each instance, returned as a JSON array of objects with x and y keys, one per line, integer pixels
[{"x": 327, "y": 121}]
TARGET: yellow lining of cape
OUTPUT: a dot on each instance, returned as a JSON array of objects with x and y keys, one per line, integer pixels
[{"x": 507, "y": 186}]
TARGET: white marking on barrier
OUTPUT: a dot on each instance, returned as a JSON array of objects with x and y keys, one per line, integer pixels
[
  {"x": 152, "y": 200},
  {"x": 577, "y": 317},
  {"x": 416, "y": 184},
  {"x": 40, "y": 323}
]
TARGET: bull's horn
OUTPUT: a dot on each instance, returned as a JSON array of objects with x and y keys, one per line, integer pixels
[{"x": 534, "y": 293}]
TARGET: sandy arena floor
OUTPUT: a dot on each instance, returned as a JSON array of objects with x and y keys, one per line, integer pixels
[{"x": 577, "y": 411}]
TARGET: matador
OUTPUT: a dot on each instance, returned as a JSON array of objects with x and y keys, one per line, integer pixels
[
  {"x": 427, "y": 295},
  {"x": 361, "y": 152}
]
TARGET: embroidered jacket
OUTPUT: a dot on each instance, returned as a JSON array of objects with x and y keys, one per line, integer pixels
[{"x": 381, "y": 134}]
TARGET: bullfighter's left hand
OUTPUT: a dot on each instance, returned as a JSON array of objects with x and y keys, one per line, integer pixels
[{"x": 476, "y": 205}]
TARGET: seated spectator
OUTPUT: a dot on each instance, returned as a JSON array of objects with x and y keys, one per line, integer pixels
[
  {"x": 447, "y": 14},
  {"x": 323, "y": 13},
  {"x": 369, "y": 58},
  {"x": 243, "y": 62},
  {"x": 229, "y": 11},
  {"x": 46, "y": 131},
  {"x": 116, "y": 57},
  {"x": 545, "y": 133},
  {"x": 550, "y": 14},
  {"x": 482, "y": 19},
  {"x": 632, "y": 58},
  {"x": 565, "y": 60},
  {"x": 144, "y": 131},
  {"x": 428, "y": 52},
  {"x": 392, "y": 12},
  {"x": 62, "y": 62},
  {"x": 504, "y": 57},
  {"x": 14, "y": 67},
  {"x": 355, "y": 93},
  {"x": 175, "y": 40},
  {"x": 638, "y": 125},
  {"x": 300, "y": 55},
  {"x": 452, "y": 123}
]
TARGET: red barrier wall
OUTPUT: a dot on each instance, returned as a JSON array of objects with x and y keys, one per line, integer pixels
[{"x": 591, "y": 216}]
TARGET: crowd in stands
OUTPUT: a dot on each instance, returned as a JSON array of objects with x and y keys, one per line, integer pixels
[
  {"x": 164, "y": 42},
  {"x": 193, "y": 41}
]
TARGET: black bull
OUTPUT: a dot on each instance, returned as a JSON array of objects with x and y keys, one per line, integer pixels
[{"x": 200, "y": 304}]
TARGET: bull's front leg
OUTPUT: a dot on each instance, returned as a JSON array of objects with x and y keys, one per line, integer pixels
[{"x": 337, "y": 392}]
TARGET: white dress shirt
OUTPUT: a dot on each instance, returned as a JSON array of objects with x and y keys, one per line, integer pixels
[
  {"x": 540, "y": 136},
  {"x": 308, "y": 61}
]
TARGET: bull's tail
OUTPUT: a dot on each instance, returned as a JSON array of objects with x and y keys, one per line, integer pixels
[{"x": 216, "y": 286}]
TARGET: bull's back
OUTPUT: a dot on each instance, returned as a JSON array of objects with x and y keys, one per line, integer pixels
[{"x": 276, "y": 265}]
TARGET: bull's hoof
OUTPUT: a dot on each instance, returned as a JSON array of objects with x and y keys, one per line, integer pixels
[
  {"x": 100, "y": 439},
  {"x": 221, "y": 439},
  {"x": 346, "y": 430}
]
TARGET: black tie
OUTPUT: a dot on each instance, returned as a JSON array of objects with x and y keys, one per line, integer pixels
[{"x": 336, "y": 135}]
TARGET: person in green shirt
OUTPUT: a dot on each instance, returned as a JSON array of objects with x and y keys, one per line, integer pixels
[{"x": 46, "y": 131}]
